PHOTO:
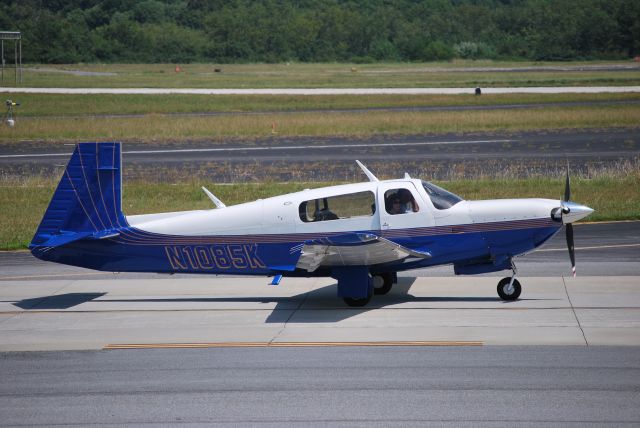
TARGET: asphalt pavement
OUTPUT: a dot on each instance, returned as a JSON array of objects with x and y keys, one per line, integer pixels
[
  {"x": 320, "y": 387},
  {"x": 429, "y": 156}
]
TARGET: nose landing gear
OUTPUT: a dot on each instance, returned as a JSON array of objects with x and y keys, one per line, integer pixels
[{"x": 509, "y": 288}]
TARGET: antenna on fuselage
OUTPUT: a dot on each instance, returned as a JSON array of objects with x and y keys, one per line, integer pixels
[
  {"x": 407, "y": 176},
  {"x": 217, "y": 202},
  {"x": 368, "y": 173}
]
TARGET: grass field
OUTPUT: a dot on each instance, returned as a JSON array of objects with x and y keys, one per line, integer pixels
[
  {"x": 155, "y": 127},
  {"x": 41, "y": 114},
  {"x": 295, "y": 75},
  {"x": 25, "y": 203},
  {"x": 55, "y": 106}
]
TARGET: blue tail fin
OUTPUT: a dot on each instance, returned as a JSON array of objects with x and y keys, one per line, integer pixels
[{"x": 88, "y": 199}]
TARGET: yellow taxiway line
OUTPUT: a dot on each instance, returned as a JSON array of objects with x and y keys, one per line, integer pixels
[{"x": 285, "y": 344}]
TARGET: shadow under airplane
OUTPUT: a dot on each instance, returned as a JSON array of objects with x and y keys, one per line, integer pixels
[
  {"x": 321, "y": 303},
  {"x": 57, "y": 301}
]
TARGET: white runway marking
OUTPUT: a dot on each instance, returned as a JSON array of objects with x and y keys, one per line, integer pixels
[
  {"x": 299, "y": 147},
  {"x": 328, "y": 91},
  {"x": 598, "y": 247}
]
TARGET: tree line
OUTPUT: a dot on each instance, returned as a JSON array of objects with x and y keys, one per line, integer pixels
[{"x": 223, "y": 31}]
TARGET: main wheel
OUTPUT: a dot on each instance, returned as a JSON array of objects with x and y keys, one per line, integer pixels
[
  {"x": 357, "y": 303},
  {"x": 382, "y": 283},
  {"x": 509, "y": 293}
]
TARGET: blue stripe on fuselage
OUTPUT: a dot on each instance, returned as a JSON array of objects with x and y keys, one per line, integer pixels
[{"x": 138, "y": 251}]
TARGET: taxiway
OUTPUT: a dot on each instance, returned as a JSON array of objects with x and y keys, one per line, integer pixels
[
  {"x": 324, "y": 387},
  {"x": 430, "y": 156}
]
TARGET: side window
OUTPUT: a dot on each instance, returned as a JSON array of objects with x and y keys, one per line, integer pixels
[
  {"x": 359, "y": 204},
  {"x": 400, "y": 201}
]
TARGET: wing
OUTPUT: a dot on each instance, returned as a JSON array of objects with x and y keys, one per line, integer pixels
[{"x": 353, "y": 249}]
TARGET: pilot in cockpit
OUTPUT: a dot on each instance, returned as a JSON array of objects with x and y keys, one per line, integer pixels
[{"x": 402, "y": 202}]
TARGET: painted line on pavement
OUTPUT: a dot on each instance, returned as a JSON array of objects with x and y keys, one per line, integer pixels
[
  {"x": 300, "y": 147},
  {"x": 598, "y": 247},
  {"x": 55, "y": 275},
  {"x": 286, "y": 344}
]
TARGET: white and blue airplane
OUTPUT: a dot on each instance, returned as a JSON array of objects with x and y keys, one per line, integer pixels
[{"x": 360, "y": 234}]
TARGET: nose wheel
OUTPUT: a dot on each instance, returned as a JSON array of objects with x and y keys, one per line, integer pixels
[{"x": 509, "y": 288}]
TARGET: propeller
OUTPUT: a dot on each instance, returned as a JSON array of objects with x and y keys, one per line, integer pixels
[
  {"x": 567, "y": 187},
  {"x": 570, "y": 246},
  {"x": 569, "y": 212},
  {"x": 568, "y": 226},
  {"x": 566, "y": 209}
]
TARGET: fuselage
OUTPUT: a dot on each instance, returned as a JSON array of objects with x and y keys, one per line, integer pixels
[{"x": 264, "y": 237}]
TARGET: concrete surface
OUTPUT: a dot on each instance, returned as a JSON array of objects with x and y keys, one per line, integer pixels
[{"x": 94, "y": 313}]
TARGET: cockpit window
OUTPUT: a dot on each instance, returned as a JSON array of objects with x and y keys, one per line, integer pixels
[
  {"x": 442, "y": 199},
  {"x": 400, "y": 201}
]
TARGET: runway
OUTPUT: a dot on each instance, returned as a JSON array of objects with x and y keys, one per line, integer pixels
[
  {"x": 591, "y": 143},
  {"x": 324, "y": 387},
  {"x": 430, "y": 156}
]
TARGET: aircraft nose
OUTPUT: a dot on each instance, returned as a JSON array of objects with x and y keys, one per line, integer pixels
[{"x": 573, "y": 212}]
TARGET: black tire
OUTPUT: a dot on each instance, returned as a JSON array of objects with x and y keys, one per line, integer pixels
[
  {"x": 387, "y": 283},
  {"x": 503, "y": 284},
  {"x": 357, "y": 303}
]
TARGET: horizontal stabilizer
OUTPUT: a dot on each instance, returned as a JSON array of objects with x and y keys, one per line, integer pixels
[{"x": 65, "y": 238}]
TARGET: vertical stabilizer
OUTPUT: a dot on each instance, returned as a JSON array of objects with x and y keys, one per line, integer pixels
[{"x": 88, "y": 199}]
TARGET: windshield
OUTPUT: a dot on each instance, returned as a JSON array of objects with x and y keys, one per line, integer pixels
[{"x": 442, "y": 199}]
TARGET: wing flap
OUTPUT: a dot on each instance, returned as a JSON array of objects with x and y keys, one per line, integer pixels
[{"x": 354, "y": 249}]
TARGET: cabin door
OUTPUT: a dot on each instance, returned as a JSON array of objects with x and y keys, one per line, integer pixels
[{"x": 402, "y": 207}]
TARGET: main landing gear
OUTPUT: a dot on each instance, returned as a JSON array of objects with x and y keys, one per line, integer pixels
[
  {"x": 382, "y": 282},
  {"x": 509, "y": 288},
  {"x": 357, "y": 303},
  {"x": 356, "y": 285}
]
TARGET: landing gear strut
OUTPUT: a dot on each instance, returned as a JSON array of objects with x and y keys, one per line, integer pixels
[
  {"x": 509, "y": 288},
  {"x": 355, "y": 284}
]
